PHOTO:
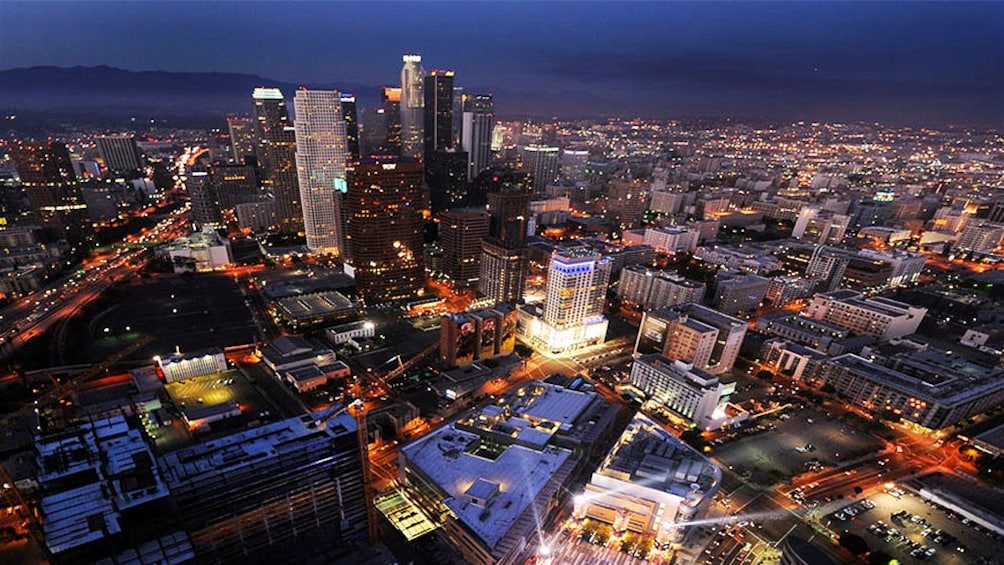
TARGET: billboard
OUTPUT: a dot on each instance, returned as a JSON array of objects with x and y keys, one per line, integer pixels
[
  {"x": 651, "y": 335},
  {"x": 466, "y": 338},
  {"x": 488, "y": 334},
  {"x": 507, "y": 332}
]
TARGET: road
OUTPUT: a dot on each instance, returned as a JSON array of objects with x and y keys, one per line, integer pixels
[{"x": 35, "y": 314}]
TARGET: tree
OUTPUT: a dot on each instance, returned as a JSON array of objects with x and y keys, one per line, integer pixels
[
  {"x": 854, "y": 543},
  {"x": 765, "y": 375}
]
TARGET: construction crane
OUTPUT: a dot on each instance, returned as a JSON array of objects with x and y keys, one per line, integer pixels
[
  {"x": 405, "y": 365},
  {"x": 358, "y": 410}
]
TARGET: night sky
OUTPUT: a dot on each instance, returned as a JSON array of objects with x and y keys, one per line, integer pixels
[{"x": 896, "y": 62}]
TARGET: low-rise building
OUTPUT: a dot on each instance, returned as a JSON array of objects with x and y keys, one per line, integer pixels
[
  {"x": 695, "y": 395},
  {"x": 179, "y": 366},
  {"x": 651, "y": 288},
  {"x": 313, "y": 309},
  {"x": 345, "y": 333},
  {"x": 877, "y": 316},
  {"x": 693, "y": 333},
  {"x": 650, "y": 483},
  {"x": 201, "y": 251}
]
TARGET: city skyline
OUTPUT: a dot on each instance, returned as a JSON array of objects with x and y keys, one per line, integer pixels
[{"x": 917, "y": 63}]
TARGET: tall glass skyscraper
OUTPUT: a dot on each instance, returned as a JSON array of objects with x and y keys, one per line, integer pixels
[
  {"x": 321, "y": 155},
  {"x": 412, "y": 102},
  {"x": 438, "y": 111},
  {"x": 270, "y": 117},
  {"x": 476, "y": 132}
]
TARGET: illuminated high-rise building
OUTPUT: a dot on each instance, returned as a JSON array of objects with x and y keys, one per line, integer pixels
[
  {"x": 476, "y": 132},
  {"x": 542, "y": 161},
  {"x": 438, "y": 111},
  {"x": 572, "y": 314},
  {"x": 270, "y": 116},
  {"x": 285, "y": 183},
  {"x": 412, "y": 103},
  {"x": 120, "y": 152},
  {"x": 351, "y": 123},
  {"x": 385, "y": 228},
  {"x": 391, "y": 98},
  {"x": 321, "y": 157},
  {"x": 242, "y": 143},
  {"x": 504, "y": 254},
  {"x": 461, "y": 232},
  {"x": 47, "y": 176}
]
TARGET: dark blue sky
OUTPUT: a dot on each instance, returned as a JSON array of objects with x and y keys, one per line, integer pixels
[{"x": 900, "y": 62}]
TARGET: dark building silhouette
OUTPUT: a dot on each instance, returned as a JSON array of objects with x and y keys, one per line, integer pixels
[
  {"x": 385, "y": 227},
  {"x": 461, "y": 232},
  {"x": 270, "y": 118},
  {"x": 438, "y": 130},
  {"x": 504, "y": 253},
  {"x": 47, "y": 176},
  {"x": 446, "y": 176},
  {"x": 351, "y": 124},
  {"x": 120, "y": 152},
  {"x": 476, "y": 131},
  {"x": 391, "y": 98},
  {"x": 285, "y": 183}
]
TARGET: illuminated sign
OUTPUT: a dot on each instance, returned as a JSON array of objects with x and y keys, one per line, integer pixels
[{"x": 341, "y": 185}]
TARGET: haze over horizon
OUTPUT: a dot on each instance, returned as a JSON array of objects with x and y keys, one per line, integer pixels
[{"x": 908, "y": 63}]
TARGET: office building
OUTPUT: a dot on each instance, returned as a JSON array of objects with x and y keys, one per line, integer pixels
[
  {"x": 650, "y": 483},
  {"x": 270, "y": 117},
  {"x": 784, "y": 290},
  {"x": 692, "y": 394},
  {"x": 503, "y": 271},
  {"x": 478, "y": 121},
  {"x": 491, "y": 476},
  {"x": 321, "y": 156},
  {"x": 651, "y": 288},
  {"x": 672, "y": 239},
  {"x": 262, "y": 493},
  {"x": 627, "y": 202},
  {"x": 446, "y": 177},
  {"x": 743, "y": 293},
  {"x": 412, "y": 105},
  {"x": 865, "y": 269},
  {"x": 48, "y": 180},
  {"x": 204, "y": 200},
  {"x": 351, "y": 124},
  {"x": 930, "y": 388},
  {"x": 199, "y": 251},
  {"x": 242, "y": 141},
  {"x": 233, "y": 185},
  {"x": 820, "y": 226},
  {"x": 438, "y": 111},
  {"x": 383, "y": 206},
  {"x": 542, "y": 162},
  {"x": 572, "y": 314},
  {"x": 693, "y": 333},
  {"x": 391, "y": 99},
  {"x": 285, "y": 180},
  {"x": 981, "y": 237},
  {"x": 877, "y": 316},
  {"x": 461, "y": 232},
  {"x": 574, "y": 163},
  {"x": 120, "y": 153}
]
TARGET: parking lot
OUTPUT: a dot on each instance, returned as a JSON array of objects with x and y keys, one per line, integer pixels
[
  {"x": 908, "y": 529},
  {"x": 210, "y": 390},
  {"x": 777, "y": 454}
]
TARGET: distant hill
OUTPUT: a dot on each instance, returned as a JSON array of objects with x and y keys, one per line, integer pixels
[{"x": 109, "y": 91}]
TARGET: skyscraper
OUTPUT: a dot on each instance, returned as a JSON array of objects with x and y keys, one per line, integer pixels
[
  {"x": 205, "y": 201},
  {"x": 233, "y": 185},
  {"x": 351, "y": 123},
  {"x": 572, "y": 314},
  {"x": 458, "y": 114},
  {"x": 542, "y": 161},
  {"x": 241, "y": 138},
  {"x": 120, "y": 152},
  {"x": 385, "y": 228},
  {"x": 321, "y": 156},
  {"x": 270, "y": 116},
  {"x": 476, "y": 132},
  {"x": 285, "y": 182},
  {"x": 46, "y": 174},
  {"x": 504, "y": 254},
  {"x": 412, "y": 102},
  {"x": 391, "y": 98},
  {"x": 461, "y": 231},
  {"x": 438, "y": 111},
  {"x": 446, "y": 177}
]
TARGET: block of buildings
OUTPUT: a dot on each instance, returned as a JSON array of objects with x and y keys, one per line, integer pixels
[
  {"x": 691, "y": 393},
  {"x": 877, "y": 316}
]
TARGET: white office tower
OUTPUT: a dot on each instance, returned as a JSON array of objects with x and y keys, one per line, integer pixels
[
  {"x": 476, "y": 133},
  {"x": 412, "y": 104},
  {"x": 321, "y": 155},
  {"x": 572, "y": 314}
]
